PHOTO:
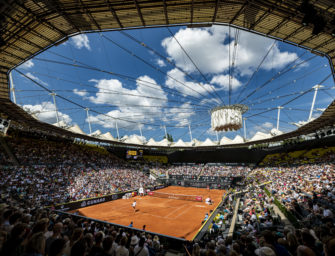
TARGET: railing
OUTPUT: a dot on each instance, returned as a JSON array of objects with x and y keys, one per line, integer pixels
[
  {"x": 233, "y": 221},
  {"x": 283, "y": 209},
  {"x": 202, "y": 230},
  {"x": 8, "y": 151},
  {"x": 187, "y": 252},
  {"x": 73, "y": 205}
]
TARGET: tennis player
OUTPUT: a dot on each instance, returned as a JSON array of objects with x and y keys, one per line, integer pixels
[
  {"x": 134, "y": 206},
  {"x": 141, "y": 191},
  {"x": 209, "y": 201}
]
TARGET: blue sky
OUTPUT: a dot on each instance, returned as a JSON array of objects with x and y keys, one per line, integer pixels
[{"x": 157, "y": 77}]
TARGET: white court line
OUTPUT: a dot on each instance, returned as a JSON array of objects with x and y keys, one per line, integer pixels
[
  {"x": 124, "y": 206},
  {"x": 159, "y": 216},
  {"x": 183, "y": 211},
  {"x": 177, "y": 209}
]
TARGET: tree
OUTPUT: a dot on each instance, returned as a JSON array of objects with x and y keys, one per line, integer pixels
[{"x": 168, "y": 137}]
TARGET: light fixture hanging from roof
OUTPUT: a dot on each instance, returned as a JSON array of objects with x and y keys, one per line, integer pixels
[{"x": 227, "y": 118}]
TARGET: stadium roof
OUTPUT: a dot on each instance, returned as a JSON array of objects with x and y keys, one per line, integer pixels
[{"x": 30, "y": 27}]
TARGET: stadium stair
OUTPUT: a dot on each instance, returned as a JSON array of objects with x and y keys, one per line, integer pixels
[
  {"x": 174, "y": 253},
  {"x": 153, "y": 174},
  {"x": 200, "y": 173},
  {"x": 8, "y": 151},
  {"x": 283, "y": 218},
  {"x": 234, "y": 219}
]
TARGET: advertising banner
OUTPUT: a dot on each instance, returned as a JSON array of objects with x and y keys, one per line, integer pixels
[{"x": 97, "y": 200}]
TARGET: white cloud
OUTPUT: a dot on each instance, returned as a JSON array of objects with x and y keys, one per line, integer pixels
[
  {"x": 301, "y": 66},
  {"x": 211, "y": 132},
  {"x": 177, "y": 80},
  {"x": 264, "y": 127},
  {"x": 182, "y": 118},
  {"x": 46, "y": 112},
  {"x": 160, "y": 63},
  {"x": 28, "y": 64},
  {"x": 267, "y": 125},
  {"x": 81, "y": 41},
  {"x": 36, "y": 79},
  {"x": 209, "y": 49},
  {"x": 208, "y": 101},
  {"x": 223, "y": 81},
  {"x": 81, "y": 93},
  {"x": 113, "y": 92}
]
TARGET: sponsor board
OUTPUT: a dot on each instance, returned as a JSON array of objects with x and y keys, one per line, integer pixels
[
  {"x": 159, "y": 187},
  {"x": 88, "y": 202},
  {"x": 92, "y": 201}
]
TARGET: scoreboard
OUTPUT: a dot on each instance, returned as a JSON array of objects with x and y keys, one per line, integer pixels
[{"x": 134, "y": 154}]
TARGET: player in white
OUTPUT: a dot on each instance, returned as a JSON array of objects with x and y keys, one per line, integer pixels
[
  {"x": 134, "y": 206},
  {"x": 209, "y": 201},
  {"x": 141, "y": 191}
]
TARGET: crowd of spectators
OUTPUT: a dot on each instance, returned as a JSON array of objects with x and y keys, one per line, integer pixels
[
  {"x": 107, "y": 181},
  {"x": 255, "y": 210},
  {"x": 29, "y": 151},
  {"x": 308, "y": 191},
  {"x": 299, "y": 157},
  {"x": 39, "y": 232},
  {"x": 259, "y": 229},
  {"x": 3, "y": 158},
  {"x": 54, "y": 172},
  {"x": 51, "y": 185},
  {"x": 197, "y": 170}
]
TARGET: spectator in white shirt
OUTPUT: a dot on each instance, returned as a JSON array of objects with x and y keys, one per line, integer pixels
[
  {"x": 327, "y": 213},
  {"x": 141, "y": 249},
  {"x": 121, "y": 250}
]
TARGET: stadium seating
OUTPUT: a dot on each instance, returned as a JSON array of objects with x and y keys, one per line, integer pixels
[{"x": 54, "y": 171}]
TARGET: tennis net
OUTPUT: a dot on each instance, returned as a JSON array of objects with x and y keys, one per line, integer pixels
[{"x": 176, "y": 196}]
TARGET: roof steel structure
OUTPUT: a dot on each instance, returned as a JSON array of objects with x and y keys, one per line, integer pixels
[{"x": 29, "y": 27}]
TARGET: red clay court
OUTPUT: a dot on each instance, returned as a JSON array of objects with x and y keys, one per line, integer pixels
[{"x": 173, "y": 217}]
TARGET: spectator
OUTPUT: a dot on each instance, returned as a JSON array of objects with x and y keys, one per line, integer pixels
[
  {"x": 121, "y": 250},
  {"x": 35, "y": 245},
  {"x": 79, "y": 248},
  {"x": 141, "y": 249},
  {"x": 57, "y": 247}
]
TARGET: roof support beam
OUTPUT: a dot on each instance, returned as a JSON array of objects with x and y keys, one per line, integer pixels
[
  {"x": 330, "y": 52},
  {"x": 8, "y": 62},
  {"x": 89, "y": 15},
  {"x": 279, "y": 25},
  {"x": 294, "y": 32},
  {"x": 239, "y": 12},
  {"x": 8, "y": 46},
  {"x": 139, "y": 12},
  {"x": 192, "y": 6},
  {"x": 55, "y": 4},
  {"x": 28, "y": 29},
  {"x": 324, "y": 43},
  {"x": 266, "y": 14},
  {"x": 307, "y": 39},
  {"x": 20, "y": 38},
  {"x": 165, "y": 12},
  {"x": 216, "y": 10},
  {"x": 114, "y": 14},
  {"x": 12, "y": 55},
  {"x": 41, "y": 20}
]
